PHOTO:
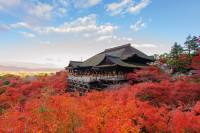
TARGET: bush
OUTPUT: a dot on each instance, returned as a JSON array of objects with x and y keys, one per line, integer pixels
[
  {"x": 2, "y": 90},
  {"x": 1, "y": 82},
  {"x": 148, "y": 74},
  {"x": 163, "y": 106},
  {"x": 172, "y": 94},
  {"x": 6, "y": 82}
]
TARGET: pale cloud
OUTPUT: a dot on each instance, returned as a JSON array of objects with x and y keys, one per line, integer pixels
[
  {"x": 86, "y": 24},
  {"x": 60, "y": 7},
  {"x": 85, "y": 3},
  {"x": 45, "y": 42},
  {"x": 118, "y": 7},
  {"x": 131, "y": 40},
  {"x": 87, "y": 35},
  {"x": 20, "y": 25},
  {"x": 41, "y": 10},
  {"x": 4, "y": 27},
  {"x": 106, "y": 28},
  {"x": 55, "y": 59},
  {"x": 138, "y": 7},
  {"x": 102, "y": 38},
  {"x": 125, "y": 40},
  {"x": 64, "y": 3},
  {"x": 126, "y": 6},
  {"x": 28, "y": 34},
  {"x": 138, "y": 25},
  {"x": 62, "y": 11},
  {"x": 4, "y": 4},
  {"x": 31, "y": 9},
  {"x": 145, "y": 45},
  {"x": 114, "y": 38}
]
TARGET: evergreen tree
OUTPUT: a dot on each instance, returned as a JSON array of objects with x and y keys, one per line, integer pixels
[
  {"x": 187, "y": 44},
  {"x": 192, "y": 45},
  {"x": 176, "y": 50}
]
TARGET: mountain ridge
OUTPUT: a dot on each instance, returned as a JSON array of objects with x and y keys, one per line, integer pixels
[{"x": 17, "y": 68}]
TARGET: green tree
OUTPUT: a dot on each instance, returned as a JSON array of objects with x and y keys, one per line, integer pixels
[
  {"x": 191, "y": 45},
  {"x": 195, "y": 44},
  {"x": 176, "y": 50},
  {"x": 187, "y": 44},
  {"x": 164, "y": 55}
]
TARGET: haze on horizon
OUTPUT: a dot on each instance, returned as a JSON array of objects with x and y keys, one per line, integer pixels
[{"x": 38, "y": 33}]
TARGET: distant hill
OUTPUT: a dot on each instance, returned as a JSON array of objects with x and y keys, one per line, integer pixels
[{"x": 14, "y": 68}]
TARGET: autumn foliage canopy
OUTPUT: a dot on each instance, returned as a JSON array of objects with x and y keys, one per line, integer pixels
[{"x": 154, "y": 102}]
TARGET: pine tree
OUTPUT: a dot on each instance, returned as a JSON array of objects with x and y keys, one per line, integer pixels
[{"x": 176, "y": 50}]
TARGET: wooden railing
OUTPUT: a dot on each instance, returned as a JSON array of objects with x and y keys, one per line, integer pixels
[{"x": 91, "y": 78}]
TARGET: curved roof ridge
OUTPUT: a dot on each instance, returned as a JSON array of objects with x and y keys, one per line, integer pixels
[
  {"x": 118, "y": 53},
  {"x": 71, "y": 61},
  {"x": 116, "y": 48},
  {"x": 94, "y": 60}
]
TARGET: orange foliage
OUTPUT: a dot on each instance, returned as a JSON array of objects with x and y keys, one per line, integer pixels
[
  {"x": 196, "y": 63},
  {"x": 40, "y": 105},
  {"x": 147, "y": 74}
]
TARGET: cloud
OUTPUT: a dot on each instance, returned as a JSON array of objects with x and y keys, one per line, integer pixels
[
  {"x": 86, "y": 24},
  {"x": 36, "y": 11},
  {"x": 60, "y": 61},
  {"x": 64, "y": 3},
  {"x": 114, "y": 38},
  {"x": 138, "y": 7},
  {"x": 127, "y": 39},
  {"x": 41, "y": 10},
  {"x": 138, "y": 25},
  {"x": 126, "y": 6},
  {"x": 45, "y": 42},
  {"x": 118, "y": 7},
  {"x": 102, "y": 38},
  {"x": 20, "y": 25},
  {"x": 28, "y": 34},
  {"x": 4, "y": 4},
  {"x": 31, "y": 10},
  {"x": 85, "y": 3},
  {"x": 124, "y": 40},
  {"x": 4, "y": 27},
  {"x": 60, "y": 7},
  {"x": 145, "y": 45},
  {"x": 62, "y": 11}
]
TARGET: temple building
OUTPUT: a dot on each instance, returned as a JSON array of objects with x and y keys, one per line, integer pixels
[{"x": 106, "y": 68}]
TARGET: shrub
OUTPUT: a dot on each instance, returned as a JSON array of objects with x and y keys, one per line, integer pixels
[
  {"x": 196, "y": 61},
  {"x": 163, "y": 106},
  {"x": 6, "y": 82},
  {"x": 1, "y": 82},
  {"x": 2, "y": 90},
  {"x": 148, "y": 74},
  {"x": 173, "y": 94}
]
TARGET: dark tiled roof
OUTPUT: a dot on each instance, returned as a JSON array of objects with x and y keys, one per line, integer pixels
[
  {"x": 122, "y": 52},
  {"x": 74, "y": 63},
  {"x": 119, "y": 62},
  {"x": 116, "y": 55}
]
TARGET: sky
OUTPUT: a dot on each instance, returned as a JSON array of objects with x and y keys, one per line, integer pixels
[{"x": 49, "y": 33}]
